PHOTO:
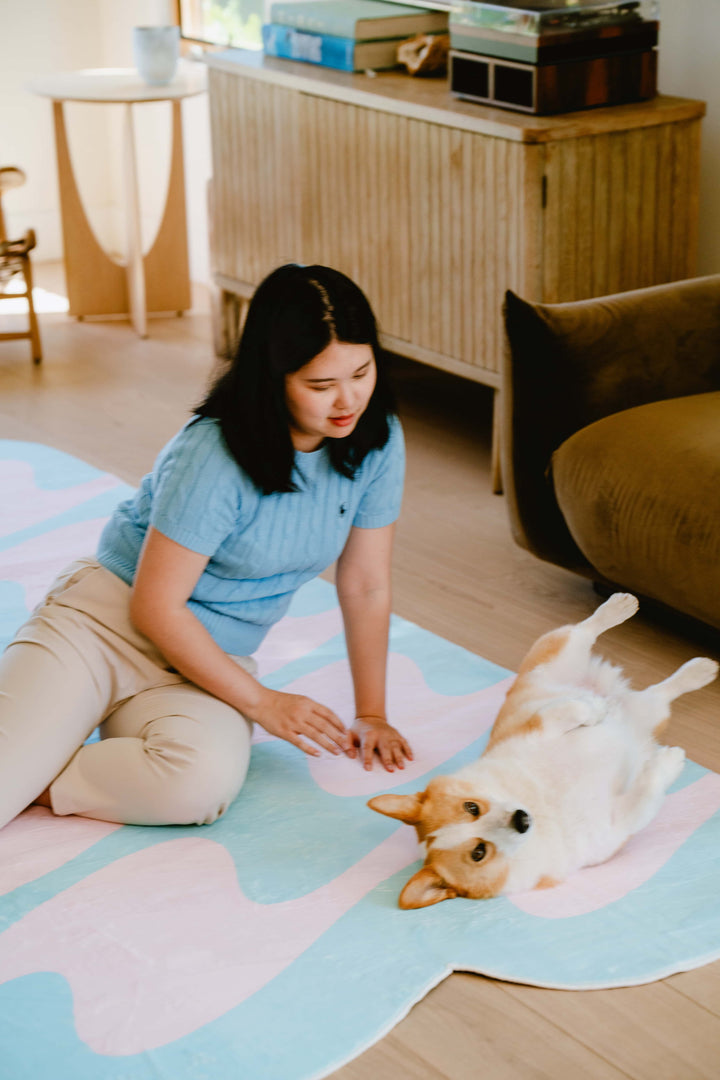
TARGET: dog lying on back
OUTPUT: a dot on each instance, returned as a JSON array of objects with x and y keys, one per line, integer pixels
[{"x": 571, "y": 770}]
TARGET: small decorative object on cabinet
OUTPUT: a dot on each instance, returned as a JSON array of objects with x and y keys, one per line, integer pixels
[{"x": 425, "y": 54}]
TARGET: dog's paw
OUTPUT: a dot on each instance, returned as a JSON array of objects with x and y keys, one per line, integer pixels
[
  {"x": 590, "y": 711},
  {"x": 559, "y": 717},
  {"x": 696, "y": 673},
  {"x": 617, "y": 608},
  {"x": 668, "y": 763}
]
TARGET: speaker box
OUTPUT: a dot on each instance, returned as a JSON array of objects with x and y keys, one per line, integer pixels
[{"x": 554, "y": 88}]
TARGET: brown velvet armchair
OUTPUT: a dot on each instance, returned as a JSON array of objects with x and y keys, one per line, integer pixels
[{"x": 611, "y": 439}]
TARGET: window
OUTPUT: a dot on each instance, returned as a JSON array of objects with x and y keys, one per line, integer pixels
[{"x": 235, "y": 23}]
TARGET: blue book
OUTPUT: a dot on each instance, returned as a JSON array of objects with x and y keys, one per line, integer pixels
[
  {"x": 345, "y": 54},
  {"x": 362, "y": 20}
]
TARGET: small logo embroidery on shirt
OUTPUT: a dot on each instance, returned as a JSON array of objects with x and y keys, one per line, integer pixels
[{"x": 343, "y": 508}]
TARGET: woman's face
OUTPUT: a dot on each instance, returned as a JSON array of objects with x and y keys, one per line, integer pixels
[{"x": 327, "y": 396}]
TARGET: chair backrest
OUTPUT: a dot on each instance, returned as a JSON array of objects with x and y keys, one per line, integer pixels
[{"x": 10, "y": 177}]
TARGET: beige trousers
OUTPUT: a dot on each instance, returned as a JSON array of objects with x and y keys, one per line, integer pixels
[{"x": 169, "y": 753}]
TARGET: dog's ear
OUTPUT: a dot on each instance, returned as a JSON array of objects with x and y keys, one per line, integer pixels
[
  {"x": 425, "y": 888},
  {"x": 405, "y": 808}
]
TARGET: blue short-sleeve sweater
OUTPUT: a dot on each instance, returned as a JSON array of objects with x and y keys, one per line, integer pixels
[{"x": 261, "y": 548}]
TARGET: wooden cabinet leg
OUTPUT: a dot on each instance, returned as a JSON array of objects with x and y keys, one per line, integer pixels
[
  {"x": 217, "y": 314},
  {"x": 495, "y": 466},
  {"x": 228, "y": 310}
]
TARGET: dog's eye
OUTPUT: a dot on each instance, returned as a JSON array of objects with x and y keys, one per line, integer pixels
[
  {"x": 472, "y": 808},
  {"x": 478, "y": 853}
]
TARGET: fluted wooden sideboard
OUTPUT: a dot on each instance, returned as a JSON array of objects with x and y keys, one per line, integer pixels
[{"x": 435, "y": 206}]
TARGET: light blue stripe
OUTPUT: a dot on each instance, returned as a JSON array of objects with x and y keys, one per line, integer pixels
[
  {"x": 53, "y": 469},
  {"x": 100, "y": 506}
]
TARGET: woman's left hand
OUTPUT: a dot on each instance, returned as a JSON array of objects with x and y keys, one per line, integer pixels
[{"x": 373, "y": 735}]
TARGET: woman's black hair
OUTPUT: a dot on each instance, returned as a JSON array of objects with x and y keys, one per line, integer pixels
[{"x": 294, "y": 314}]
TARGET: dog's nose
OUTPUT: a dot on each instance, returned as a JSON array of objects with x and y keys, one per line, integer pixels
[{"x": 520, "y": 821}]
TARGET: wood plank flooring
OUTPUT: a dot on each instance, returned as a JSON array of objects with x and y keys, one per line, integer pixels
[{"x": 114, "y": 400}]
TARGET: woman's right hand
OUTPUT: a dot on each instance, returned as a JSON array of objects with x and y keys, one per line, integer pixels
[{"x": 301, "y": 721}]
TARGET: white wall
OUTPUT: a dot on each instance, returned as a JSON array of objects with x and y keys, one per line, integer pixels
[
  {"x": 689, "y": 65},
  {"x": 39, "y": 36},
  {"x": 42, "y": 36}
]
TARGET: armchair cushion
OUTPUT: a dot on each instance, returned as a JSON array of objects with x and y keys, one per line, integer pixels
[{"x": 639, "y": 493}]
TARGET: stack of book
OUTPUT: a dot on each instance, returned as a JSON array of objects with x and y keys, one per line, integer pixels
[
  {"x": 545, "y": 56},
  {"x": 350, "y": 35}
]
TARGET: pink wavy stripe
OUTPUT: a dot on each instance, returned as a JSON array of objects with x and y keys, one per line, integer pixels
[
  {"x": 163, "y": 941},
  {"x": 36, "y": 842},
  {"x": 437, "y": 726},
  {"x": 25, "y": 504},
  {"x": 34, "y": 563},
  {"x": 296, "y": 636},
  {"x": 644, "y": 855}
]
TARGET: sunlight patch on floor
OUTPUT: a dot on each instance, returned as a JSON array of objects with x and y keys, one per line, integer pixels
[{"x": 45, "y": 302}]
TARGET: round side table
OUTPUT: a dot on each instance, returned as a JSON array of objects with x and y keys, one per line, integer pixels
[{"x": 98, "y": 284}]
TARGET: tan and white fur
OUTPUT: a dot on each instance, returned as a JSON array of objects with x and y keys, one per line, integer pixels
[{"x": 571, "y": 770}]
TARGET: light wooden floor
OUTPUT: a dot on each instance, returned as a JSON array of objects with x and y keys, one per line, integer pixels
[{"x": 113, "y": 400}]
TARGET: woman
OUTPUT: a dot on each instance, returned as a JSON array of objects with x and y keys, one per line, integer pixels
[{"x": 294, "y": 459}]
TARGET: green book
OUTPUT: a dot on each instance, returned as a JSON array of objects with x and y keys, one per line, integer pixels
[{"x": 362, "y": 20}]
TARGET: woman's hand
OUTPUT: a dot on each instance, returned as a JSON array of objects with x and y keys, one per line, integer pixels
[
  {"x": 373, "y": 735},
  {"x": 297, "y": 719}
]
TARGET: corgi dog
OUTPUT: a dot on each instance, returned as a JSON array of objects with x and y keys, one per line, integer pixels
[{"x": 571, "y": 770}]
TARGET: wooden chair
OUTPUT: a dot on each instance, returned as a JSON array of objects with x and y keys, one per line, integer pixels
[{"x": 15, "y": 260}]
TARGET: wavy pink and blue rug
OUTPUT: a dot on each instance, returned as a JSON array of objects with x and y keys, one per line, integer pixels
[{"x": 269, "y": 945}]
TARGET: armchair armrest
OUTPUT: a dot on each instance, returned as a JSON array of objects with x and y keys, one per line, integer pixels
[{"x": 567, "y": 365}]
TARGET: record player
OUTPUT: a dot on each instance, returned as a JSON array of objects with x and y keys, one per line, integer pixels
[{"x": 550, "y": 56}]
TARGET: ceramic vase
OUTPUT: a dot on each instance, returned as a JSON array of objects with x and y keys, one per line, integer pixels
[{"x": 155, "y": 52}]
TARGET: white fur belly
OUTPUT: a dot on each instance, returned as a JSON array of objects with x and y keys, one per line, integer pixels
[{"x": 570, "y": 786}]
